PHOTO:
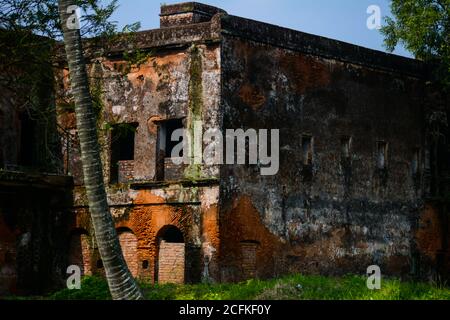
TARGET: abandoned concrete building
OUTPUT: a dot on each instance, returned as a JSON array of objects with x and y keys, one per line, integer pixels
[{"x": 362, "y": 176}]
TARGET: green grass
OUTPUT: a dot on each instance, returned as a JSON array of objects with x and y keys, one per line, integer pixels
[{"x": 296, "y": 287}]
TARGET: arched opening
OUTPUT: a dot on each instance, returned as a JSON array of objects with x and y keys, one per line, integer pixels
[
  {"x": 171, "y": 256},
  {"x": 128, "y": 242},
  {"x": 79, "y": 251}
]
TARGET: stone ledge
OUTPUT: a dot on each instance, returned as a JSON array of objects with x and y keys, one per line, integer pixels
[
  {"x": 171, "y": 9},
  {"x": 34, "y": 180},
  {"x": 165, "y": 184}
]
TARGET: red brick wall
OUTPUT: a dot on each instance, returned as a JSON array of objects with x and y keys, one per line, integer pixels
[
  {"x": 248, "y": 251},
  {"x": 8, "y": 272},
  {"x": 171, "y": 262},
  {"x": 128, "y": 242},
  {"x": 80, "y": 254},
  {"x": 173, "y": 172}
]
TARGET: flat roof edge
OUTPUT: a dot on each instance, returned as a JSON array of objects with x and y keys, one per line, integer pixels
[{"x": 319, "y": 46}]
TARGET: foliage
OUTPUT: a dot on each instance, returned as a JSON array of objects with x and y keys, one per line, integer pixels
[
  {"x": 29, "y": 31},
  {"x": 423, "y": 27},
  {"x": 29, "y": 35},
  {"x": 41, "y": 17},
  {"x": 134, "y": 59},
  {"x": 295, "y": 287},
  {"x": 92, "y": 288}
]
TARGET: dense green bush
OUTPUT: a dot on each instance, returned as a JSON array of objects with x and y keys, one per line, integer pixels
[{"x": 92, "y": 288}]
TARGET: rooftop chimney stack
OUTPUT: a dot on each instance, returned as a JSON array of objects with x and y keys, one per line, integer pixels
[{"x": 186, "y": 13}]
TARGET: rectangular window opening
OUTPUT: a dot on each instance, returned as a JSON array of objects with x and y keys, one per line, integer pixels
[
  {"x": 415, "y": 162},
  {"x": 307, "y": 149},
  {"x": 382, "y": 154},
  {"x": 166, "y": 130},
  {"x": 122, "y": 146},
  {"x": 346, "y": 146},
  {"x": 27, "y": 140}
]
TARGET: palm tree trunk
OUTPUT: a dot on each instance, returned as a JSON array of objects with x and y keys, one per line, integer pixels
[{"x": 121, "y": 283}]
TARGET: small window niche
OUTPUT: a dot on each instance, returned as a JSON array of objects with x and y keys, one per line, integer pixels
[
  {"x": 122, "y": 152},
  {"x": 307, "y": 158},
  {"x": 27, "y": 140},
  {"x": 99, "y": 264},
  {"x": 382, "y": 155},
  {"x": 307, "y": 150},
  {"x": 416, "y": 162},
  {"x": 346, "y": 147}
]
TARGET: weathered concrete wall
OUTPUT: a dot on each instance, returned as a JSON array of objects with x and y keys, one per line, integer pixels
[
  {"x": 29, "y": 140},
  {"x": 32, "y": 202},
  {"x": 171, "y": 84},
  {"x": 338, "y": 211},
  {"x": 159, "y": 89},
  {"x": 145, "y": 212},
  {"x": 32, "y": 234},
  {"x": 342, "y": 214}
]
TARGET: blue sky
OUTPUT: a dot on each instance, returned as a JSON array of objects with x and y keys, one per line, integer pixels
[{"x": 338, "y": 19}]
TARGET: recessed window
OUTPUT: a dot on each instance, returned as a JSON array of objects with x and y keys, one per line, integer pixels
[
  {"x": 99, "y": 264},
  {"x": 27, "y": 140},
  {"x": 122, "y": 141},
  {"x": 415, "y": 162},
  {"x": 166, "y": 130},
  {"x": 382, "y": 154},
  {"x": 307, "y": 149},
  {"x": 122, "y": 146},
  {"x": 346, "y": 145},
  {"x": 145, "y": 264}
]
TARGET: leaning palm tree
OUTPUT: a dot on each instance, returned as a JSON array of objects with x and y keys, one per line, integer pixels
[{"x": 121, "y": 283}]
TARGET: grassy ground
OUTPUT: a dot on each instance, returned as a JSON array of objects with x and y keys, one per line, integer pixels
[{"x": 296, "y": 287}]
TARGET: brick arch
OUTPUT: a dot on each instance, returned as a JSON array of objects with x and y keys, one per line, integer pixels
[
  {"x": 80, "y": 251},
  {"x": 129, "y": 243},
  {"x": 171, "y": 252},
  {"x": 170, "y": 233}
]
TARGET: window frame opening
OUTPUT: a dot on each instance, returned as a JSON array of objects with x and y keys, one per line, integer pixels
[
  {"x": 307, "y": 150},
  {"x": 416, "y": 162},
  {"x": 122, "y": 147},
  {"x": 166, "y": 128},
  {"x": 346, "y": 147},
  {"x": 165, "y": 145},
  {"x": 382, "y": 155}
]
